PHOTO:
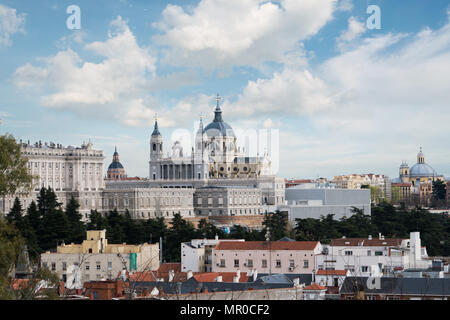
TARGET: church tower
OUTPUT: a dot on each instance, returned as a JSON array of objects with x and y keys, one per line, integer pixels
[
  {"x": 404, "y": 172},
  {"x": 200, "y": 155},
  {"x": 420, "y": 156},
  {"x": 156, "y": 153}
]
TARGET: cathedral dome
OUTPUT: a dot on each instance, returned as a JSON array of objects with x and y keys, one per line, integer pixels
[
  {"x": 115, "y": 169},
  {"x": 422, "y": 170},
  {"x": 218, "y": 127},
  {"x": 115, "y": 165}
]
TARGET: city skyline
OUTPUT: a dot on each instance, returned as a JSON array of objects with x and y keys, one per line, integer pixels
[{"x": 345, "y": 98}]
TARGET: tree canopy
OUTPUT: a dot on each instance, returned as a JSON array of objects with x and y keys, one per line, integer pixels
[{"x": 14, "y": 174}]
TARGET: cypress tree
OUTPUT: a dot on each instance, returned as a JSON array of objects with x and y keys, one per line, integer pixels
[
  {"x": 76, "y": 226},
  {"x": 15, "y": 215}
]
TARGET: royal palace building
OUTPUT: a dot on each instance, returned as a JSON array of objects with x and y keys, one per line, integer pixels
[{"x": 215, "y": 179}]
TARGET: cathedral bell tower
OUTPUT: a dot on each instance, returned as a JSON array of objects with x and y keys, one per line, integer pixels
[
  {"x": 200, "y": 154},
  {"x": 156, "y": 153}
]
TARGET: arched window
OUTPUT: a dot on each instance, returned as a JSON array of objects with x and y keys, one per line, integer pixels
[{"x": 154, "y": 147}]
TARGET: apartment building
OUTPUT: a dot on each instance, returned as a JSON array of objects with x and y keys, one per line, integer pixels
[
  {"x": 95, "y": 259},
  {"x": 196, "y": 255},
  {"x": 266, "y": 256},
  {"x": 371, "y": 257}
]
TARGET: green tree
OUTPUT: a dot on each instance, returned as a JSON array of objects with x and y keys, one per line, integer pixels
[
  {"x": 439, "y": 194},
  {"x": 11, "y": 244},
  {"x": 32, "y": 225},
  {"x": 97, "y": 221},
  {"x": 207, "y": 230},
  {"x": 154, "y": 228},
  {"x": 54, "y": 226},
  {"x": 395, "y": 195},
  {"x": 47, "y": 201},
  {"x": 15, "y": 215},
  {"x": 14, "y": 174},
  {"x": 277, "y": 223},
  {"x": 115, "y": 231},
  {"x": 180, "y": 231},
  {"x": 376, "y": 194},
  {"x": 77, "y": 228}
]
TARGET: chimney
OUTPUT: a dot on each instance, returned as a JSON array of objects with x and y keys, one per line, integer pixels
[
  {"x": 238, "y": 276},
  {"x": 216, "y": 237},
  {"x": 370, "y": 237},
  {"x": 219, "y": 279},
  {"x": 379, "y": 235},
  {"x": 171, "y": 275},
  {"x": 255, "y": 275},
  {"x": 189, "y": 274},
  {"x": 296, "y": 282}
]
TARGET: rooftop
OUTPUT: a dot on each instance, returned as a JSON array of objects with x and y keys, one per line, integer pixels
[{"x": 264, "y": 245}]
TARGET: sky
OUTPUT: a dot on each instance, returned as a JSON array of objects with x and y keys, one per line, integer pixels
[{"x": 337, "y": 95}]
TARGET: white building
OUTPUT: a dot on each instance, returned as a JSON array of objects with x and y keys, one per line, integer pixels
[
  {"x": 70, "y": 171},
  {"x": 331, "y": 278},
  {"x": 216, "y": 166},
  {"x": 95, "y": 259},
  {"x": 372, "y": 257},
  {"x": 196, "y": 255}
]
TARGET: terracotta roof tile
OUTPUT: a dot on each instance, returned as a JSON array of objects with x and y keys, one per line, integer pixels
[
  {"x": 331, "y": 272},
  {"x": 364, "y": 242},
  {"x": 314, "y": 286},
  {"x": 263, "y": 245}
]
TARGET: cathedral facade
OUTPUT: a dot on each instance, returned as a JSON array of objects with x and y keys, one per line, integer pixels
[
  {"x": 215, "y": 179},
  {"x": 415, "y": 184}
]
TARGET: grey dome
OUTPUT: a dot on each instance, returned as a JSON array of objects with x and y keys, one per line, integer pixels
[
  {"x": 218, "y": 127},
  {"x": 422, "y": 170},
  {"x": 115, "y": 165}
]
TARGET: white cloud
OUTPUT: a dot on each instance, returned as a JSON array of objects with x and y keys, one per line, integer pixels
[
  {"x": 355, "y": 29},
  {"x": 108, "y": 88},
  {"x": 10, "y": 24},
  {"x": 369, "y": 107},
  {"x": 220, "y": 34},
  {"x": 345, "y": 5},
  {"x": 290, "y": 92}
]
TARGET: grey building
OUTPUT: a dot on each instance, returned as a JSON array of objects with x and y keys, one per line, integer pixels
[{"x": 316, "y": 202}]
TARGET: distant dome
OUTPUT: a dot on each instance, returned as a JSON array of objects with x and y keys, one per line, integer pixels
[
  {"x": 403, "y": 165},
  {"x": 422, "y": 170}
]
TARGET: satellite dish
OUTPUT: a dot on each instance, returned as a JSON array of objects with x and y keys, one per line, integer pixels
[
  {"x": 325, "y": 251},
  {"x": 73, "y": 277}
]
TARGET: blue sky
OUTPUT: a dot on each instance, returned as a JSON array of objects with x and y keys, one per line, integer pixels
[{"x": 344, "y": 98}]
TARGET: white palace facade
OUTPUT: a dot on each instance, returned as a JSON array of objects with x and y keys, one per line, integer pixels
[{"x": 216, "y": 179}]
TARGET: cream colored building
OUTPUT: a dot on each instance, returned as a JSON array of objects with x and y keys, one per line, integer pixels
[
  {"x": 215, "y": 162},
  {"x": 69, "y": 171},
  {"x": 356, "y": 181},
  {"x": 420, "y": 177},
  {"x": 99, "y": 260}
]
